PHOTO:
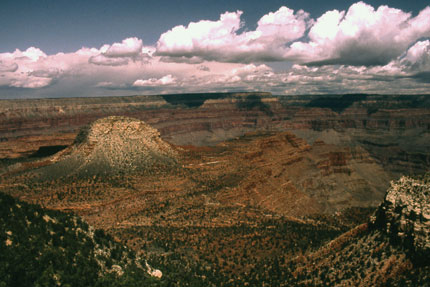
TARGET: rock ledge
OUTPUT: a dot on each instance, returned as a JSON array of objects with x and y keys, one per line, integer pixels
[{"x": 405, "y": 214}]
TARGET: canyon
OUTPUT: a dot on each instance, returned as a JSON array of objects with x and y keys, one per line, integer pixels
[
  {"x": 395, "y": 130},
  {"x": 233, "y": 189}
]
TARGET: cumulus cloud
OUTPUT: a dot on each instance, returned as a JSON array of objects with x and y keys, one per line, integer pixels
[
  {"x": 221, "y": 41},
  {"x": 33, "y": 69},
  {"x": 415, "y": 63},
  {"x": 45, "y": 73},
  {"x": 363, "y": 49},
  {"x": 281, "y": 26},
  {"x": 166, "y": 80},
  {"x": 33, "y": 54},
  {"x": 182, "y": 59},
  {"x": 129, "y": 47},
  {"x": 30, "y": 82},
  {"x": 107, "y": 61},
  {"x": 21, "y": 69},
  {"x": 417, "y": 58},
  {"x": 362, "y": 35},
  {"x": 119, "y": 54},
  {"x": 181, "y": 41},
  {"x": 30, "y": 55},
  {"x": 241, "y": 77},
  {"x": 8, "y": 67}
]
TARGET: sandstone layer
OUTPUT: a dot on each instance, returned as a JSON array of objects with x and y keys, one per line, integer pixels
[
  {"x": 287, "y": 175},
  {"x": 395, "y": 130}
]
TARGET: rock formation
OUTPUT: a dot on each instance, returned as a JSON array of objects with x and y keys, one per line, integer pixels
[
  {"x": 114, "y": 144},
  {"x": 405, "y": 214}
]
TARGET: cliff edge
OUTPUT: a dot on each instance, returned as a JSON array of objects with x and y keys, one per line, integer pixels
[{"x": 405, "y": 215}]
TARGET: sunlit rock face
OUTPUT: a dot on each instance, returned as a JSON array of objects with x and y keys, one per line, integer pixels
[
  {"x": 115, "y": 145},
  {"x": 405, "y": 214},
  {"x": 123, "y": 142}
]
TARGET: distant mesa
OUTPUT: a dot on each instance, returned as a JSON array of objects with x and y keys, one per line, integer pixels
[{"x": 114, "y": 144}]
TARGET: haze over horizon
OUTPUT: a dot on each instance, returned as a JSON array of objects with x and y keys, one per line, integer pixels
[{"x": 102, "y": 48}]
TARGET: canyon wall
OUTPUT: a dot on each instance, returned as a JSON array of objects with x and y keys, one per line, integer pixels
[{"x": 395, "y": 130}]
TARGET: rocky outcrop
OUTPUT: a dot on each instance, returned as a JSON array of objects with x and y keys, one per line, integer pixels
[
  {"x": 405, "y": 215},
  {"x": 111, "y": 145},
  {"x": 391, "y": 250}
]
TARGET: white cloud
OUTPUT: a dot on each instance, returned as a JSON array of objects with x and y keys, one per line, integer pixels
[
  {"x": 30, "y": 82},
  {"x": 22, "y": 70},
  {"x": 130, "y": 47},
  {"x": 362, "y": 36},
  {"x": 119, "y": 54},
  {"x": 72, "y": 74},
  {"x": 101, "y": 59},
  {"x": 33, "y": 54},
  {"x": 360, "y": 50},
  {"x": 153, "y": 82},
  {"x": 282, "y": 26},
  {"x": 12, "y": 67},
  {"x": 251, "y": 70},
  {"x": 417, "y": 57},
  {"x": 35, "y": 69},
  {"x": 415, "y": 63},
  {"x": 220, "y": 40},
  {"x": 199, "y": 36},
  {"x": 418, "y": 51}
]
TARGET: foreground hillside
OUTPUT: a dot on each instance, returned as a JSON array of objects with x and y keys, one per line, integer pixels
[
  {"x": 42, "y": 247},
  {"x": 47, "y": 248},
  {"x": 391, "y": 250}
]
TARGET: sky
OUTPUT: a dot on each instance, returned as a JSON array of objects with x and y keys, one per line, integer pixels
[{"x": 63, "y": 48}]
